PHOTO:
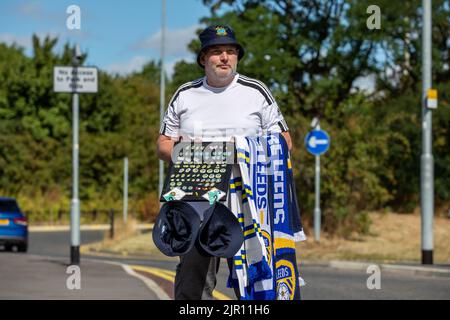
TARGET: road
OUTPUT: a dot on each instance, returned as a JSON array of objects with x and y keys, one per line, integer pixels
[
  {"x": 322, "y": 282},
  {"x": 57, "y": 243},
  {"x": 325, "y": 283}
]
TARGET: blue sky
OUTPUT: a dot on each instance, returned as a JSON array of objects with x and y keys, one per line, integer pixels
[{"x": 119, "y": 36}]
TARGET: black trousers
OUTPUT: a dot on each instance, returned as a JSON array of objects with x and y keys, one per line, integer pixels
[{"x": 195, "y": 277}]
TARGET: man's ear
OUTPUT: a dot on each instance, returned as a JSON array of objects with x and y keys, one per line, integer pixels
[{"x": 202, "y": 59}]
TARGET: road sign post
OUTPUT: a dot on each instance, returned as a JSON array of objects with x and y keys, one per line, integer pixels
[
  {"x": 317, "y": 142},
  {"x": 426, "y": 159},
  {"x": 317, "y": 211},
  {"x": 125, "y": 190},
  {"x": 75, "y": 208},
  {"x": 75, "y": 204},
  {"x": 75, "y": 80}
]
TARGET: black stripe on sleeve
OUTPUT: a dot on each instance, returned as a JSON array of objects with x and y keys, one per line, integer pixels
[
  {"x": 194, "y": 84},
  {"x": 260, "y": 84},
  {"x": 283, "y": 126},
  {"x": 163, "y": 129},
  {"x": 257, "y": 87}
]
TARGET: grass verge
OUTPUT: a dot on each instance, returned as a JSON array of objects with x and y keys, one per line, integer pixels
[{"x": 393, "y": 238}]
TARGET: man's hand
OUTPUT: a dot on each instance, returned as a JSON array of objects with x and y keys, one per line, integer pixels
[
  {"x": 164, "y": 147},
  {"x": 287, "y": 137}
]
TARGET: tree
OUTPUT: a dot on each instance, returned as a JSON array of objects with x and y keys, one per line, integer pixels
[
  {"x": 311, "y": 54},
  {"x": 36, "y": 132}
]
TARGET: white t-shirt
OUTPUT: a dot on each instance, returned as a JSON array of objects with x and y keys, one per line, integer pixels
[{"x": 245, "y": 107}]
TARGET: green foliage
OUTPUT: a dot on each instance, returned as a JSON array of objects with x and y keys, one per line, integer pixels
[
  {"x": 36, "y": 135},
  {"x": 311, "y": 53}
]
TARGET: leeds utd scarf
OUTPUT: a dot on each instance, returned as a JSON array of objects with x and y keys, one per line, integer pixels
[
  {"x": 263, "y": 198},
  {"x": 259, "y": 174},
  {"x": 281, "y": 207},
  {"x": 253, "y": 253}
]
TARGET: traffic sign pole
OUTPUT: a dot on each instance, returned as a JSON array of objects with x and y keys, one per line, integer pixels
[
  {"x": 317, "y": 142},
  {"x": 125, "y": 190},
  {"x": 426, "y": 160},
  {"x": 75, "y": 208},
  {"x": 317, "y": 212},
  {"x": 75, "y": 80}
]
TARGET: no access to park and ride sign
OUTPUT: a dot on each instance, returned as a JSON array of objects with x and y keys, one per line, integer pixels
[{"x": 75, "y": 79}]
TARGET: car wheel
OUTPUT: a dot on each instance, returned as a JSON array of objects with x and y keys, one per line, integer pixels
[{"x": 8, "y": 247}]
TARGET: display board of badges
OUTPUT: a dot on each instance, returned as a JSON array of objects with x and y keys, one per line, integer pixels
[{"x": 199, "y": 171}]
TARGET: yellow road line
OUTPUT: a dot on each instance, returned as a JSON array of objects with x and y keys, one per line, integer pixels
[
  {"x": 170, "y": 276},
  {"x": 220, "y": 296}
]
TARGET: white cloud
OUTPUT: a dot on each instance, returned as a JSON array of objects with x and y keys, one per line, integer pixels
[
  {"x": 27, "y": 43},
  {"x": 36, "y": 11},
  {"x": 176, "y": 49},
  {"x": 31, "y": 9},
  {"x": 136, "y": 64},
  {"x": 9, "y": 39},
  {"x": 177, "y": 41},
  {"x": 123, "y": 68},
  {"x": 169, "y": 66}
]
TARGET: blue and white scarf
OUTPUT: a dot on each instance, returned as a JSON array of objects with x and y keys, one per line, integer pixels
[
  {"x": 262, "y": 196},
  {"x": 284, "y": 226}
]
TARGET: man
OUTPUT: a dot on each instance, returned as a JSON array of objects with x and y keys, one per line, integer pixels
[{"x": 216, "y": 107}]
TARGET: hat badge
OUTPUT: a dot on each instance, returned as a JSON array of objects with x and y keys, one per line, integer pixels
[{"x": 220, "y": 31}]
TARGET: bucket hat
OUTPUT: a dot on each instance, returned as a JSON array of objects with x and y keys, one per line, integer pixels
[
  {"x": 218, "y": 35},
  {"x": 176, "y": 228},
  {"x": 220, "y": 233}
]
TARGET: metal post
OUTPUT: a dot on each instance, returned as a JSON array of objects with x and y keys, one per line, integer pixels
[
  {"x": 75, "y": 208},
  {"x": 317, "y": 213},
  {"x": 162, "y": 87},
  {"x": 426, "y": 160},
  {"x": 111, "y": 224},
  {"x": 125, "y": 190}
]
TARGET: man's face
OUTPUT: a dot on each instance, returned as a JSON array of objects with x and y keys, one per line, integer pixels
[{"x": 220, "y": 61}]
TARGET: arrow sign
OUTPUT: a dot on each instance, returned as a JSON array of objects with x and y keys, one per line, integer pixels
[
  {"x": 317, "y": 142},
  {"x": 314, "y": 142}
]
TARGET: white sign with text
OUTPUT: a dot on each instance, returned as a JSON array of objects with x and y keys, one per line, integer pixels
[{"x": 75, "y": 80}]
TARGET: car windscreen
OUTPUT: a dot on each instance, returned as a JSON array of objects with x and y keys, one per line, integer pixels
[{"x": 9, "y": 206}]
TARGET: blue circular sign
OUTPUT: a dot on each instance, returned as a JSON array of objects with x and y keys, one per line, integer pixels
[{"x": 317, "y": 142}]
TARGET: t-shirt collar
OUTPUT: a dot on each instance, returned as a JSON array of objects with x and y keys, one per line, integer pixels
[{"x": 220, "y": 89}]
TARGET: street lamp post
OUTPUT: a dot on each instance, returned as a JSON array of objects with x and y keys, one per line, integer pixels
[{"x": 162, "y": 87}]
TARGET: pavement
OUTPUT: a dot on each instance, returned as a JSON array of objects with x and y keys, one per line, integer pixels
[
  {"x": 35, "y": 277},
  {"x": 92, "y": 227},
  {"x": 407, "y": 268},
  {"x": 30, "y": 277},
  {"x": 440, "y": 270}
]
